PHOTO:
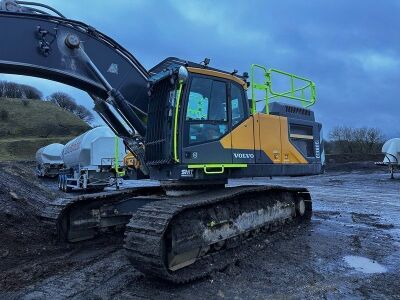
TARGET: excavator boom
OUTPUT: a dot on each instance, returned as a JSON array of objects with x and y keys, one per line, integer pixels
[{"x": 34, "y": 44}]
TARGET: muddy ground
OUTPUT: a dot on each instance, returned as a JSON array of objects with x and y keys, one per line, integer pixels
[{"x": 351, "y": 248}]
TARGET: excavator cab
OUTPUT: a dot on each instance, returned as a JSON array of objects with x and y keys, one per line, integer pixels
[{"x": 202, "y": 126}]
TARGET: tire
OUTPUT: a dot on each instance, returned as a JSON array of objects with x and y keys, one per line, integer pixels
[
  {"x": 65, "y": 183},
  {"x": 301, "y": 208},
  {"x": 304, "y": 210},
  {"x": 59, "y": 182}
]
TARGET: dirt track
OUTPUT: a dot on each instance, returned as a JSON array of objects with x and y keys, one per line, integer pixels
[{"x": 356, "y": 217}]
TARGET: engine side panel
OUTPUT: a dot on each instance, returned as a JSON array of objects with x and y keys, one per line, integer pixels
[{"x": 271, "y": 138}]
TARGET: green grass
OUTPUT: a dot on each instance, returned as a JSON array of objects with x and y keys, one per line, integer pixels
[{"x": 32, "y": 125}]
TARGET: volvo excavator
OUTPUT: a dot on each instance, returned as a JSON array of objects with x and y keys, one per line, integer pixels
[{"x": 191, "y": 127}]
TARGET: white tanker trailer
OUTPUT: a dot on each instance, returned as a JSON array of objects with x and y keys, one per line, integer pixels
[
  {"x": 92, "y": 160},
  {"x": 48, "y": 160},
  {"x": 391, "y": 149}
]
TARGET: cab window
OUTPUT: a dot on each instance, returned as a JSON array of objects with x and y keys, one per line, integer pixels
[
  {"x": 206, "y": 112},
  {"x": 237, "y": 108},
  {"x": 207, "y": 100}
]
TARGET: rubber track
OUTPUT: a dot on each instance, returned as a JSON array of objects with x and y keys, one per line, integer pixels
[
  {"x": 53, "y": 212},
  {"x": 145, "y": 233}
]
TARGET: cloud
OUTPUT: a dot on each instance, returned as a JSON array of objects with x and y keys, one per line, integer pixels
[
  {"x": 378, "y": 62},
  {"x": 219, "y": 19}
]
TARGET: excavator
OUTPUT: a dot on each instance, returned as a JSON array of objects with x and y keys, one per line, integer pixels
[{"x": 189, "y": 126}]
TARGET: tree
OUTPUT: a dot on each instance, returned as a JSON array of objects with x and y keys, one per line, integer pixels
[
  {"x": 20, "y": 91},
  {"x": 362, "y": 140},
  {"x": 84, "y": 114},
  {"x": 374, "y": 139},
  {"x": 2, "y": 88},
  {"x": 341, "y": 137},
  {"x": 31, "y": 92},
  {"x": 65, "y": 101},
  {"x": 12, "y": 90}
]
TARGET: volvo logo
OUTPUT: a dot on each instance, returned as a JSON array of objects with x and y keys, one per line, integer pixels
[
  {"x": 113, "y": 69},
  {"x": 243, "y": 155}
]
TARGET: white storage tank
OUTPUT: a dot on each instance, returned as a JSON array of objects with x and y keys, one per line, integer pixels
[
  {"x": 50, "y": 154},
  {"x": 391, "y": 149},
  {"x": 49, "y": 160},
  {"x": 95, "y": 147}
]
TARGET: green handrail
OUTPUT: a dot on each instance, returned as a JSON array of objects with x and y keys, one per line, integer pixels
[
  {"x": 266, "y": 86},
  {"x": 176, "y": 117},
  {"x": 116, "y": 164}
]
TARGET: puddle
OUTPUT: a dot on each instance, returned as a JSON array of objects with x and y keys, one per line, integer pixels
[
  {"x": 364, "y": 265},
  {"x": 370, "y": 220}
]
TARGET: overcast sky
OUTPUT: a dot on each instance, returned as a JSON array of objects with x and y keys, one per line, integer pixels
[{"x": 351, "y": 49}]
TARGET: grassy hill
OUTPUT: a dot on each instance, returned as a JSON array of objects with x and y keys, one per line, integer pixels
[{"x": 27, "y": 125}]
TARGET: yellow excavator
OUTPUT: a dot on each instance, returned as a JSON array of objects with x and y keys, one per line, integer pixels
[
  {"x": 132, "y": 167},
  {"x": 131, "y": 162},
  {"x": 188, "y": 125}
]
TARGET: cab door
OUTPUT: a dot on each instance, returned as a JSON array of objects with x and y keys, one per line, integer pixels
[
  {"x": 242, "y": 124},
  {"x": 205, "y": 122}
]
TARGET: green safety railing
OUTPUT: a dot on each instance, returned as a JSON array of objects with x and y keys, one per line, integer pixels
[
  {"x": 116, "y": 162},
  {"x": 307, "y": 86},
  {"x": 176, "y": 117},
  {"x": 215, "y": 168}
]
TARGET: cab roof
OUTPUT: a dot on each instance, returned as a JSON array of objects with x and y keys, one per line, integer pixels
[{"x": 173, "y": 62}]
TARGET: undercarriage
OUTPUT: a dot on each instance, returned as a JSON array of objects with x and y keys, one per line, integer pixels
[{"x": 181, "y": 238}]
